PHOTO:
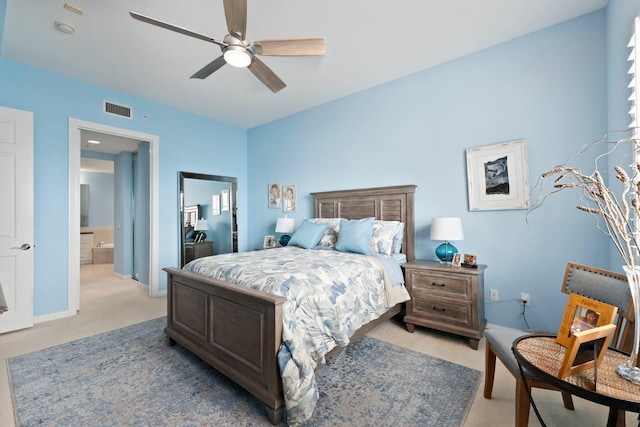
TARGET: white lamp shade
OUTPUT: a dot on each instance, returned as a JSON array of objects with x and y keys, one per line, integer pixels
[
  {"x": 285, "y": 225},
  {"x": 201, "y": 225},
  {"x": 446, "y": 229}
]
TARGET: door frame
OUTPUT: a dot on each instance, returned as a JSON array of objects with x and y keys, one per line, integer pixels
[{"x": 75, "y": 126}]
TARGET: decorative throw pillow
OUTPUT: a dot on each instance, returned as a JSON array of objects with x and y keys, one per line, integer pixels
[
  {"x": 383, "y": 236},
  {"x": 355, "y": 236},
  {"x": 308, "y": 235},
  {"x": 330, "y": 236},
  {"x": 397, "y": 240}
]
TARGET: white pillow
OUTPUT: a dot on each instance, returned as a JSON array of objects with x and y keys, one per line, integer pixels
[{"x": 384, "y": 233}]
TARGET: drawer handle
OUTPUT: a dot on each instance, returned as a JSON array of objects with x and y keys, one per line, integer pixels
[
  {"x": 438, "y": 309},
  {"x": 442, "y": 285}
]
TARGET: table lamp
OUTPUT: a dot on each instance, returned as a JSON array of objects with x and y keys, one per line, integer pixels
[
  {"x": 201, "y": 225},
  {"x": 286, "y": 226},
  {"x": 446, "y": 229}
]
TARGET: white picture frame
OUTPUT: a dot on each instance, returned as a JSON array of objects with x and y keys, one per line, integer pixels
[
  {"x": 498, "y": 176},
  {"x": 289, "y": 196},
  {"x": 215, "y": 204},
  {"x": 224, "y": 200}
]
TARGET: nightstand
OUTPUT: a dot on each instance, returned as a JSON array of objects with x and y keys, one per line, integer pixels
[
  {"x": 197, "y": 250},
  {"x": 446, "y": 298}
]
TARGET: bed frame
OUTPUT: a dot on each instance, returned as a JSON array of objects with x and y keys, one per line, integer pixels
[{"x": 238, "y": 331}]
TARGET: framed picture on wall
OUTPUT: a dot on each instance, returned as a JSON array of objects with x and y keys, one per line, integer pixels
[
  {"x": 215, "y": 203},
  {"x": 289, "y": 198},
  {"x": 224, "y": 200},
  {"x": 498, "y": 176},
  {"x": 274, "y": 195}
]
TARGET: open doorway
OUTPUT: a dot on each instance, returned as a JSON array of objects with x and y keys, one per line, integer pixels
[{"x": 76, "y": 130}]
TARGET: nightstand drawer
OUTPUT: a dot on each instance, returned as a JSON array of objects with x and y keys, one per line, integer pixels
[
  {"x": 424, "y": 284},
  {"x": 440, "y": 311}
]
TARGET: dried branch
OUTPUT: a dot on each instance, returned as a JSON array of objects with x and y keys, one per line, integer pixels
[{"x": 615, "y": 217}]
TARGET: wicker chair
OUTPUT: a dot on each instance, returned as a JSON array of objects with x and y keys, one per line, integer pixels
[{"x": 605, "y": 286}]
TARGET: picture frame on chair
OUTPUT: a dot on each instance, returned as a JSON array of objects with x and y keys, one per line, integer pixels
[{"x": 582, "y": 314}]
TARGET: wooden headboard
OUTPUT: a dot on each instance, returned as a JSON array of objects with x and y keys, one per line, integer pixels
[{"x": 383, "y": 203}]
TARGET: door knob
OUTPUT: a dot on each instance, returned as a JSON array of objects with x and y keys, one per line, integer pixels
[{"x": 23, "y": 247}]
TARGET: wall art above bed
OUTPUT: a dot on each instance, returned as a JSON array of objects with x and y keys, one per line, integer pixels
[{"x": 498, "y": 176}]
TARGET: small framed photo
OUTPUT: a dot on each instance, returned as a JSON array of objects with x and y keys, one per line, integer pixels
[
  {"x": 583, "y": 314},
  {"x": 498, "y": 176},
  {"x": 289, "y": 198},
  {"x": 274, "y": 195},
  {"x": 457, "y": 259},
  {"x": 586, "y": 349},
  {"x": 470, "y": 259},
  {"x": 269, "y": 242}
]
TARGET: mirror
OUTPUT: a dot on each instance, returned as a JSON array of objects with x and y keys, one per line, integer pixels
[
  {"x": 208, "y": 215},
  {"x": 84, "y": 205}
]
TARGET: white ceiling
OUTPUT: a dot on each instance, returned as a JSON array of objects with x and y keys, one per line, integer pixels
[{"x": 369, "y": 42}]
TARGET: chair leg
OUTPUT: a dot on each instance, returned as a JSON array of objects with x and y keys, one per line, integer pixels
[
  {"x": 522, "y": 403},
  {"x": 568, "y": 401},
  {"x": 489, "y": 370}
]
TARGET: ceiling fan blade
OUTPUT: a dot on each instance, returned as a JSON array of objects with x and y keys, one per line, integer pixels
[
  {"x": 210, "y": 68},
  {"x": 266, "y": 76},
  {"x": 181, "y": 30},
  {"x": 235, "y": 12},
  {"x": 291, "y": 47}
]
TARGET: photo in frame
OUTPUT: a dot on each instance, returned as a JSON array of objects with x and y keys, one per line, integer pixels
[
  {"x": 586, "y": 350},
  {"x": 224, "y": 200},
  {"x": 289, "y": 198},
  {"x": 215, "y": 204},
  {"x": 269, "y": 242},
  {"x": 498, "y": 176},
  {"x": 582, "y": 313},
  {"x": 274, "y": 195},
  {"x": 457, "y": 259}
]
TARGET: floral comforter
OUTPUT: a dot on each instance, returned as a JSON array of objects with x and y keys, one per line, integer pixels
[{"x": 330, "y": 294}]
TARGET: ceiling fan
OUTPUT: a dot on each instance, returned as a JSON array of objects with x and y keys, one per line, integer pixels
[{"x": 240, "y": 52}]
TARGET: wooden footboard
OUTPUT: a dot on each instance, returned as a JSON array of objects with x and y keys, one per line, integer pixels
[{"x": 237, "y": 331}]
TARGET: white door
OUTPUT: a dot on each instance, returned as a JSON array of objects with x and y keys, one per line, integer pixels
[{"x": 16, "y": 218}]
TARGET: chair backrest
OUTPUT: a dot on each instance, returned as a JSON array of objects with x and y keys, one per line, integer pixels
[{"x": 607, "y": 287}]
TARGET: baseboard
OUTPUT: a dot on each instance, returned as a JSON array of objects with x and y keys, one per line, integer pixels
[{"x": 122, "y": 276}]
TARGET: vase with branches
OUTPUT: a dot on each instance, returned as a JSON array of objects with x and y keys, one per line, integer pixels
[{"x": 616, "y": 211}]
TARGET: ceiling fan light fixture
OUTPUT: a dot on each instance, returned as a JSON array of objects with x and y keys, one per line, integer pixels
[{"x": 237, "y": 56}]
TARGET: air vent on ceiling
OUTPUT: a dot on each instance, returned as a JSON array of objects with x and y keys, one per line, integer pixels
[{"x": 118, "y": 110}]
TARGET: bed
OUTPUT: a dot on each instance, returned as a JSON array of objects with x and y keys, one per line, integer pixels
[{"x": 239, "y": 331}]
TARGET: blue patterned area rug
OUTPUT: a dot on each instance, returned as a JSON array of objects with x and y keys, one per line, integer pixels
[{"x": 131, "y": 377}]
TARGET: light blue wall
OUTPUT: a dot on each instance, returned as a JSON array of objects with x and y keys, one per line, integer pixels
[
  {"x": 221, "y": 149},
  {"x": 558, "y": 88},
  {"x": 141, "y": 214},
  {"x": 123, "y": 207},
  {"x": 548, "y": 87}
]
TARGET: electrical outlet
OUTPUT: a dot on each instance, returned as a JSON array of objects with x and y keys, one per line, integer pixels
[
  {"x": 525, "y": 298},
  {"x": 494, "y": 295}
]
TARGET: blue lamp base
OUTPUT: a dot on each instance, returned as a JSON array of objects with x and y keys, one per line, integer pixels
[
  {"x": 284, "y": 240},
  {"x": 445, "y": 252}
]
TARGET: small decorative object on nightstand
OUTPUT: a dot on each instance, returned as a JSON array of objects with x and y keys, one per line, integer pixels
[
  {"x": 446, "y": 298},
  {"x": 201, "y": 226},
  {"x": 286, "y": 226},
  {"x": 446, "y": 230}
]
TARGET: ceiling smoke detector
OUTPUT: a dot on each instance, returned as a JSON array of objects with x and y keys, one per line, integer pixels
[{"x": 64, "y": 27}]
